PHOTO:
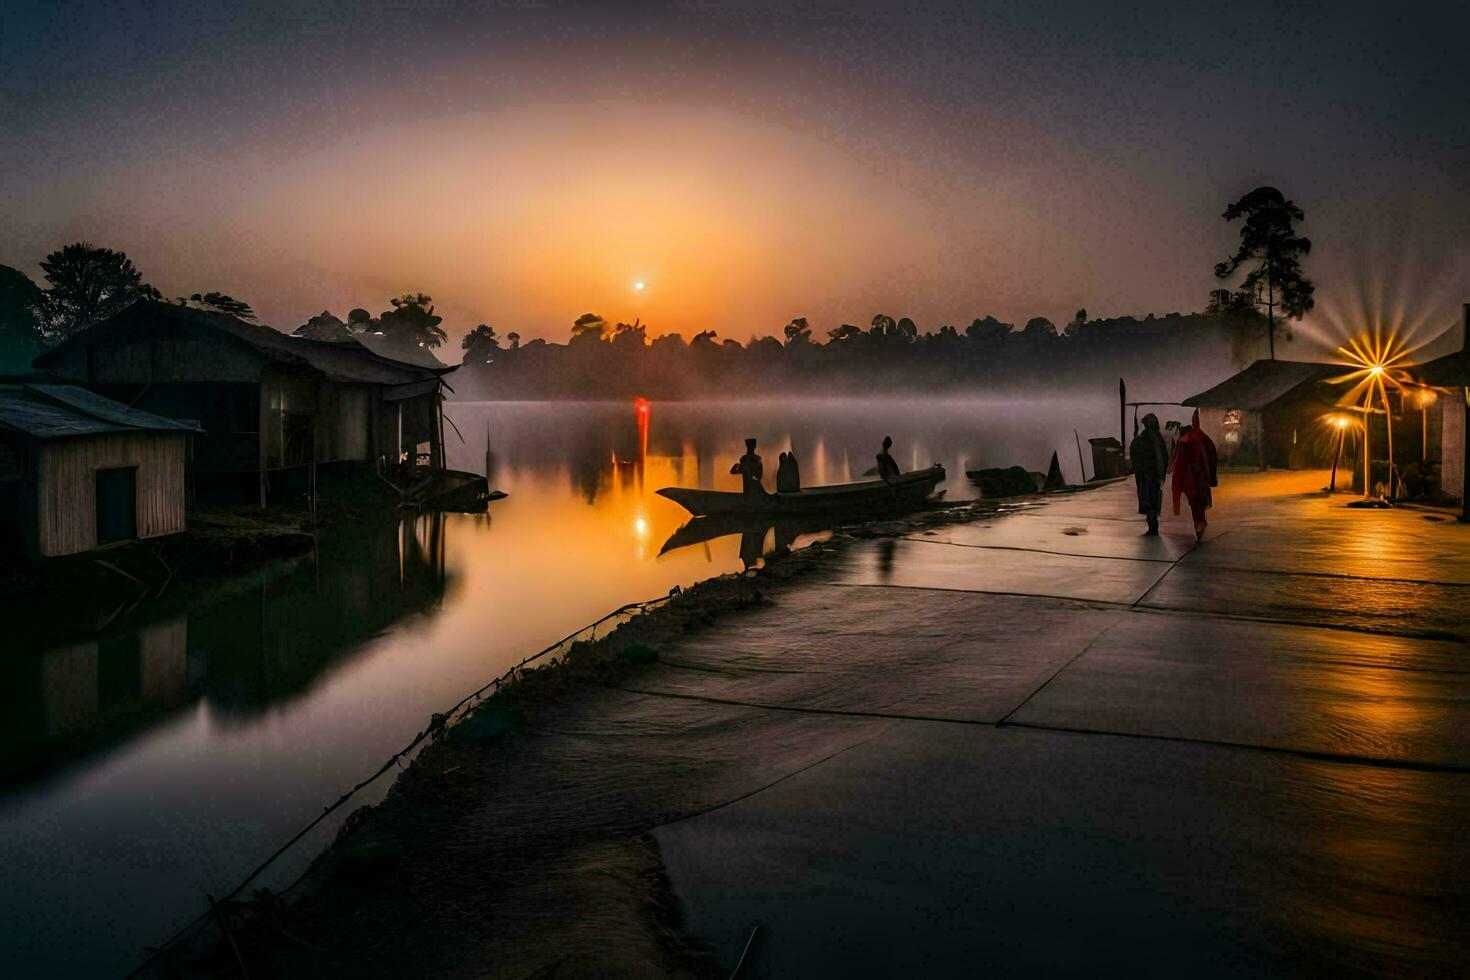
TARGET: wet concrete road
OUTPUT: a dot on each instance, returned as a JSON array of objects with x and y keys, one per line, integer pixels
[{"x": 1102, "y": 752}]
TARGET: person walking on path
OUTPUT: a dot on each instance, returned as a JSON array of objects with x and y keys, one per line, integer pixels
[
  {"x": 1195, "y": 463},
  {"x": 751, "y": 469},
  {"x": 1150, "y": 458}
]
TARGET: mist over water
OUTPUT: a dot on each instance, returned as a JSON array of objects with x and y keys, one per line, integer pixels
[{"x": 158, "y": 761}]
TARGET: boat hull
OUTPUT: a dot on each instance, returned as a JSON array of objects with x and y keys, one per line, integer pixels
[{"x": 908, "y": 492}]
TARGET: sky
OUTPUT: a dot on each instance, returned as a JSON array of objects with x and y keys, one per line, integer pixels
[{"x": 525, "y": 163}]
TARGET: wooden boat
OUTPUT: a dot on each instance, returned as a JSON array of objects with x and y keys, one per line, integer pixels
[
  {"x": 910, "y": 490},
  {"x": 446, "y": 490}
]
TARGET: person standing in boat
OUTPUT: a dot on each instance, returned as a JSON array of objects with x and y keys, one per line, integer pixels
[
  {"x": 1150, "y": 458},
  {"x": 788, "y": 474},
  {"x": 887, "y": 469},
  {"x": 751, "y": 470}
]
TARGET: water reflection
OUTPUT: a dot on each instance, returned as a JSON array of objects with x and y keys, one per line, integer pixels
[
  {"x": 209, "y": 726},
  {"x": 243, "y": 647}
]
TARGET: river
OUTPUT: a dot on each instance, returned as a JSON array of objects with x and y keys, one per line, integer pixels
[{"x": 154, "y": 763}]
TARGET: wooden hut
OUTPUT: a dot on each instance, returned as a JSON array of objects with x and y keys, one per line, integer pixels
[
  {"x": 78, "y": 471},
  {"x": 272, "y": 406},
  {"x": 1452, "y": 372},
  {"x": 1264, "y": 415}
]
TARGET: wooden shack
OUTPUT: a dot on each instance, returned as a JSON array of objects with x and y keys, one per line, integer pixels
[
  {"x": 1270, "y": 414},
  {"x": 78, "y": 471},
  {"x": 272, "y": 406},
  {"x": 1451, "y": 374}
]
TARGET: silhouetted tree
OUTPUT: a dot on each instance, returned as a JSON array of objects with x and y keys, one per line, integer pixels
[
  {"x": 589, "y": 325},
  {"x": 21, "y": 307},
  {"x": 603, "y": 361},
  {"x": 87, "y": 284},
  {"x": 1270, "y": 244},
  {"x": 412, "y": 321},
  {"x": 988, "y": 329},
  {"x": 797, "y": 332},
  {"x": 884, "y": 326},
  {"x": 515, "y": 340},
  {"x": 324, "y": 326},
  {"x": 480, "y": 345},
  {"x": 224, "y": 303},
  {"x": 1075, "y": 324}
]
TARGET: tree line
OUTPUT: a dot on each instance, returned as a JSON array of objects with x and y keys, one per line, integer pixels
[
  {"x": 87, "y": 283},
  {"x": 890, "y": 354}
]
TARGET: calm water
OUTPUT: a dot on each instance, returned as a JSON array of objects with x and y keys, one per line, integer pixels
[{"x": 158, "y": 761}]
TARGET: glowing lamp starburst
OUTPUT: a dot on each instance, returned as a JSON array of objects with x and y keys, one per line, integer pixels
[{"x": 1377, "y": 361}]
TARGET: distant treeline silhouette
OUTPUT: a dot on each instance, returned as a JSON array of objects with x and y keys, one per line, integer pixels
[{"x": 604, "y": 360}]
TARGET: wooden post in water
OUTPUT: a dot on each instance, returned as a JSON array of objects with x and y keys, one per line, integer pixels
[{"x": 1123, "y": 415}]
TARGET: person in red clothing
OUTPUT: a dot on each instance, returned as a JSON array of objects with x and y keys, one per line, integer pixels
[{"x": 1195, "y": 463}]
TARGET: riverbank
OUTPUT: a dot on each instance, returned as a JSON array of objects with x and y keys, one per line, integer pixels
[{"x": 937, "y": 748}]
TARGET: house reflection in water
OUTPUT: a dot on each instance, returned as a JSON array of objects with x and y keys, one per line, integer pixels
[{"x": 247, "y": 646}]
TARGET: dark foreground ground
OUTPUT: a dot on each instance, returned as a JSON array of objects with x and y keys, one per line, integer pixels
[{"x": 1039, "y": 743}]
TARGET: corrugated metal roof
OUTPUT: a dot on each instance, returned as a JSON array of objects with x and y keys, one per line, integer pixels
[
  {"x": 1262, "y": 383},
  {"x": 340, "y": 362},
  {"x": 59, "y": 411}
]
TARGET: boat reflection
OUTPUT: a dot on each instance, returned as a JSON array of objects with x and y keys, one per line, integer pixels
[
  {"x": 754, "y": 533},
  {"x": 243, "y": 647}
]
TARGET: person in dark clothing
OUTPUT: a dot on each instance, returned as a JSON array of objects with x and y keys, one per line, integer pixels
[
  {"x": 1150, "y": 457},
  {"x": 1195, "y": 473},
  {"x": 887, "y": 468},
  {"x": 788, "y": 475},
  {"x": 751, "y": 470}
]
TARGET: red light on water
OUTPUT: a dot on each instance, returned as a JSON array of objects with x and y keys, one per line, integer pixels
[{"x": 640, "y": 405}]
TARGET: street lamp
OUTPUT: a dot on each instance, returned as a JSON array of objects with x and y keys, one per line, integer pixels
[{"x": 1377, "y": 361}]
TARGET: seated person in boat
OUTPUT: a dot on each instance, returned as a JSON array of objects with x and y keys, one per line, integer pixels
[
  {"x": 751, "y": 470},
  {"x": 887, "y": 468},
  {"x": 788, "y": 475}
]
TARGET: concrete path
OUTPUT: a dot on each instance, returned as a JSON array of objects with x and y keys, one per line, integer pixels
[{"x": 1082, "y": 750}]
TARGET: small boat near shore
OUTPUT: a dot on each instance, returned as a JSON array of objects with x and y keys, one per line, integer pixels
[
  {"x": 910, "y": 490},
  {"x": 444, "y": 490}
]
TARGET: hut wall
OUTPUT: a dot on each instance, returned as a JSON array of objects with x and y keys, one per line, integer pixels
[
  {"x": 66, "y": 478},
  {"x": 160, "y": 355},
  {"x": 288, "y": 410},
  {"x": 229, "y": 413},
  {"x": 17, "y": 493},
  {"x": 297, "y": 411},
  {"x": 1452, "y": 466},
  {"x": 344, "y": 422},
  {"x": 1230, "y": 430},
  {"x": 420, "y": 422}
]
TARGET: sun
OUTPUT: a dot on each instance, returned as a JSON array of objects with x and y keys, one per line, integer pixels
[{"x": 638, "y": 286}]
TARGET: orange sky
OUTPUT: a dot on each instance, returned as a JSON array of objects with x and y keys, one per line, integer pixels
[{"x": 749, "y": 163}]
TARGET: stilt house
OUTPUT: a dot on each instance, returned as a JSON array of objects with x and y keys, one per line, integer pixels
[{"x": 272, "y": 406}]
